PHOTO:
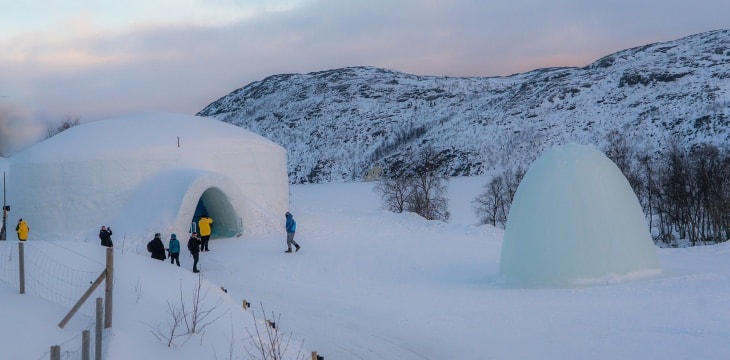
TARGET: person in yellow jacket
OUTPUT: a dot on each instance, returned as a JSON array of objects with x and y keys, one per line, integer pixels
[
  {"x": 22, "y": 229},
  {"x": 204, "y": 225}
]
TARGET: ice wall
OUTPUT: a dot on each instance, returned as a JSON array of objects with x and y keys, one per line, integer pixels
[{"x": 575, "y": 219}]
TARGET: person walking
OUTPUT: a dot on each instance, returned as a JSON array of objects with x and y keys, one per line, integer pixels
[
  {"x": 105, "y": 235},
  {"x": 194, "y": 247},
  {"x": 174, "y": 250},
  {"x": 156, "y": 248},
  {"x": 204, "y": 225},
  {"x": 22, "y": 229},
  {"x": 291, "y": 228}
]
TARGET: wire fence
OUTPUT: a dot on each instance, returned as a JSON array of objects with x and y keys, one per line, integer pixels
[
  {"x": 56, "y": 281},
  {"x": 47, "y": 277}
]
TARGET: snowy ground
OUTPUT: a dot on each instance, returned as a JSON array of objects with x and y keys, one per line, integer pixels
[{"x": 369, "y": 284}]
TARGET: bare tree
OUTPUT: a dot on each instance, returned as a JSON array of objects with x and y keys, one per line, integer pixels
[
  {"x": 428, "y": 195},
  {"x": 197, "y": 318},
  {"x": 684, "y": 192},
  {"x": 618, "y": 150},
  {"x": 394, "y": 192},
  {"x": 417, "y": 186},
  {"x": 66, "y": 124},
  {"x": 647, "y": 179},
  {"x": 171, "y": 331},
  {"x": 493, "y": 205},
  {"x": 269, "y": 343},
  {"x": 488, "y": 204}
]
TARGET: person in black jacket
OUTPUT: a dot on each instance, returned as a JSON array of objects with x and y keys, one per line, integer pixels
[
  {"x": 194, "y": 247},
  {"x": 156, "y": 247},
  {"x": 105, "y": 235}
]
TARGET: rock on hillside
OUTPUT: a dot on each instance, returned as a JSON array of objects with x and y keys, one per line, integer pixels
[{"x": 338, "y": 125}]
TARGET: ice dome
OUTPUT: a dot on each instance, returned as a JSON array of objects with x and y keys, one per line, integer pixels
[
  {"x": 575, "y": 219},
  {"x": 146, "y": 173}
]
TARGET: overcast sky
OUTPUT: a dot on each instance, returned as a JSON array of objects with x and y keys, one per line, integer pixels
[{"x": 97, "y": 59}]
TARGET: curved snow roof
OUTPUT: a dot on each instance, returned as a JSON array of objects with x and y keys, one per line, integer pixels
[
  {"x": 144, "y": 133},
  {"x": 148, "y": 171}
]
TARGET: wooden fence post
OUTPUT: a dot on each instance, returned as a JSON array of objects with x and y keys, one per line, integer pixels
[
  {"x": 81, "y": 301},
  {"x": 21, "y": 266},
  {"x": 99, "y": 328},
  {"x": 85, "y": 344},
  {"x": 55, "y": 352},
  {"x": 108, "y": 287}
]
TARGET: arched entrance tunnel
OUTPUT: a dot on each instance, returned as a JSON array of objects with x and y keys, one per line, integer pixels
[{"x": 214, "y": 203}]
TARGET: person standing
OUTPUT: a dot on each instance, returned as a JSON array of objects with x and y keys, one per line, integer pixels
[
  {"x": 204, "y": 225},
  {"x": 194, "y": 247},
  {"x": 22, "y": 229},
  {"x": 156, "y": 248},
  {"x": 105, "y": 235},
  {"x": 291, "y": 228},
  {"x": 174, "y": 249}
]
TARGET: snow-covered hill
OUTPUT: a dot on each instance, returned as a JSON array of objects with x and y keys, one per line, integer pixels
[{"x": 339, "y": 124}]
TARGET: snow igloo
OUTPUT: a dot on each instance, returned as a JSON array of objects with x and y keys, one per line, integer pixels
[
  {"x": 575, "y": 220},
  {"x": 147, "y": 173}
]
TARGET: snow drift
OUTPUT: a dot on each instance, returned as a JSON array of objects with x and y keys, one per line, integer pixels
[{"x": 575, "y": 219}]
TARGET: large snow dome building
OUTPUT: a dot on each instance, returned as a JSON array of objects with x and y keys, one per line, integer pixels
[{"x": 147, "y": 173}]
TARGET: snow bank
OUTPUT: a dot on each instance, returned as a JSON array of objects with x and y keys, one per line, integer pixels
[{"x": 575, "y": 219}]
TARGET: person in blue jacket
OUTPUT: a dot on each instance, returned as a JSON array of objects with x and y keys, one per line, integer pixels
[
  {"x": 291, "y": 228},
  {"x": 174, "y": 250}
]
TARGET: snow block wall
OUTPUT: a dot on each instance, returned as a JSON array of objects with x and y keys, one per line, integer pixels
[
  {"x": 575, "y": 220},
  {"x": 147, "y": 173}
]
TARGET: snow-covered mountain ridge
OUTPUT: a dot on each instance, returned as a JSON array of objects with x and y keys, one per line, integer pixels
[{"x": 338, "y": 125}]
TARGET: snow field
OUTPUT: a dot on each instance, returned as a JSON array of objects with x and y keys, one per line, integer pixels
[{"x": 369, "y": 284}]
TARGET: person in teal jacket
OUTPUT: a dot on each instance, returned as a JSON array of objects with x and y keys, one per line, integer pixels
[{"x": 174, "y": 250}]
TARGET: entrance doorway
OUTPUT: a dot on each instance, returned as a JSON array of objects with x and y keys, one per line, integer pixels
[{"x": 214, "y": 203}]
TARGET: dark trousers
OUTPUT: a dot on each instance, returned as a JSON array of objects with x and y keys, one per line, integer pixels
[
  {"x": 196, "y": 257},
  {"x": 204, "y": 242},
  {"x": 175, "y": 258},
  {"x": 290, "y": 241}
]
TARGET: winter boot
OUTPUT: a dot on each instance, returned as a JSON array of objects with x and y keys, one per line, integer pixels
[
  {"x": 297, "y": 247},
  {"x": 288, "y": 250}
]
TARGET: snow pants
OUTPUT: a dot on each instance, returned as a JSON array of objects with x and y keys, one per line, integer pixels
[
  {"x": 196, "y": 257},
  {"x": 175, "y": 258},
  {"x": 290, "y": 240},
  {"x": 204, "y": 242}
]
